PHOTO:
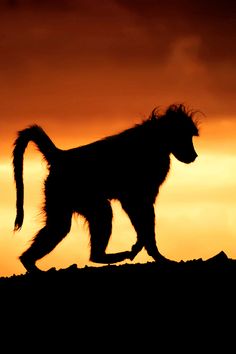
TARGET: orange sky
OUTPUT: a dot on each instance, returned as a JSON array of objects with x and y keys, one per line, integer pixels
[{"x": 86, "y": 69}]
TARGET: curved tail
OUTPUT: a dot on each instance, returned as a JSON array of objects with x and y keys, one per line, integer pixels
[{"x": 37, "y": 135}]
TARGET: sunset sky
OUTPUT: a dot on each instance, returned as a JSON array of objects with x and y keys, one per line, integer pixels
[{"x": 85, "y": 69}]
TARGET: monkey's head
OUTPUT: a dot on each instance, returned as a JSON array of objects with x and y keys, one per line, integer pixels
[{"x": 178, "y": 128}]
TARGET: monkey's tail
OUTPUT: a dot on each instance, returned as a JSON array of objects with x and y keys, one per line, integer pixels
[{"x": 37, "y": 135}]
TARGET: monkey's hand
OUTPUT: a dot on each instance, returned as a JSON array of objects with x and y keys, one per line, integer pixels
[{"x": 136, "y": 248}]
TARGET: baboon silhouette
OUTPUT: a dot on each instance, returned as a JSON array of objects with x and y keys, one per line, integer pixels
[{"x": 129, "y": 166}]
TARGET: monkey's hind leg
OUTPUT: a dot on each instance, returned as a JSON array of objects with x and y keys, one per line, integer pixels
[
  {"x": 45, "y": 241},
  {"x": 100, "y": 225}
]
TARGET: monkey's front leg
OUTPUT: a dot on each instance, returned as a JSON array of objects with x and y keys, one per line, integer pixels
[{"x": 142, "y": 216}]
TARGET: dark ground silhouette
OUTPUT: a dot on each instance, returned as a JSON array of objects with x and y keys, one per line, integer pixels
[
  {"x": 212, "y": 274},
  {"x": 134, "y": 304}
]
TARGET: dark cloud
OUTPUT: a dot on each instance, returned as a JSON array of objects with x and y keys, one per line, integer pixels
[
  {"x": 72, "y": 58},
  {"x": 42, "y": 4},
  {"x": 213, "y": 21}
]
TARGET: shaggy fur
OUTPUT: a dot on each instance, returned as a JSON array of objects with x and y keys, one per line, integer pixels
[{"x": 129, "y": 166}]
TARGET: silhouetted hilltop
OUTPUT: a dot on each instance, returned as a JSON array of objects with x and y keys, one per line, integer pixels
[
  {"x": 133, "y": 295},
  {"x": 213, "y": 272}
]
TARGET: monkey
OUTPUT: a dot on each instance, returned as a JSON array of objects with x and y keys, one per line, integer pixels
[{"x": 129, "y": 166}]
